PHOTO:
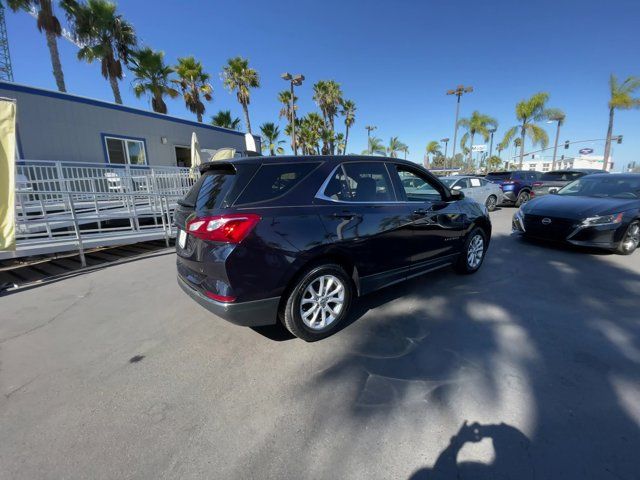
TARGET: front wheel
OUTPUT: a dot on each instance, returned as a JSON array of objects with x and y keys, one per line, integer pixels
[
  {"x": 491, "y": 203},
  {"x": 318, "y": 303},
  {"x": 631, "y": 239},
  {"x": 524, "y": 197},
  {"x": 473, "y": 252}
]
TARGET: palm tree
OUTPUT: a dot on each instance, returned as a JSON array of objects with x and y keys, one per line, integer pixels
[
  {"x": 493, "y": 163},
  {"x": 328, "y": 96},
  {"x": 375, "y": 147},
  {"x": 105, "y": 36},
  {"x": 271, "y": 138},
  {"x": 284, "y": 98},
  {"x": 348, "y": 111},
  {"x": 194, "y": 83},
  {"x": 341, "y": 143},
  {"x": 223, "y": 119},
  {"x": 621, "y": 99},
  {"x": 529, "y": 111},
  {"x": 310, "y": 130},
  {"x": 238, "y": 76},
  {"x": 152, "y": 77},
  {"x": 405, "y": 150},
  {"x": 558, "y": 116},
  {"x": 395, "y": 146},
  {"x": 433, "y": 149},
  {"x": 48, "y": 22},
  {"x": 477, "y": 123}
]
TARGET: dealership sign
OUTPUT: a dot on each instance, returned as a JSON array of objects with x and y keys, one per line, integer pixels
[
  {"x": 585, "y": 151},
  {"x": 478, "y": 148}
]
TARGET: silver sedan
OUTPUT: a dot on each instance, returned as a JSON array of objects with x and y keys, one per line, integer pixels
[{"x": 479, "y": 189}]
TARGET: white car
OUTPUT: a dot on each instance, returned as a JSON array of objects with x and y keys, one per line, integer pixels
[{"x": 479, "y": 189}]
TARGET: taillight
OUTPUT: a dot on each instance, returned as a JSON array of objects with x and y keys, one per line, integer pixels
[
  {"x": 220, "y": 298},
  {"x": 537, "y": 184},
  {"x": 223, "y": 228},
  {"x": 509, "y": 182}
]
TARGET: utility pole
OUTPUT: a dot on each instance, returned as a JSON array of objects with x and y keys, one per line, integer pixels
[
  {"x": 6, "y": 71},
  {"x": 369, "y": 128},
  {"x": 294, "y": 80},
  {"x": 458, "y": 92}
]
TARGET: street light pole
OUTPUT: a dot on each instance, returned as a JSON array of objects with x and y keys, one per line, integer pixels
[
  {"x": 492, "y": 130},
  {"x": 369, "y": 128},
  {"x": 458, "y": 92},
  {"x": 294, "y": 80}
]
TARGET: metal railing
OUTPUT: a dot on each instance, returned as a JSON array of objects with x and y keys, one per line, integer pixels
[{"x": 69, "y": 206}]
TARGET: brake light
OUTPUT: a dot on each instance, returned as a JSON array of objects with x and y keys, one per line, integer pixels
[
  {"x": 509, "y": 182},
  {"x": 220, "y": 298},
  {"x": 537, "y": 184},
  {"x": 223, "y": 228}
]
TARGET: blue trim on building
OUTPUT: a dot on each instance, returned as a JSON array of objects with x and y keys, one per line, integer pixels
[
  {"x": 98, "y": 103},
  {"x": 103, "y": 138}
]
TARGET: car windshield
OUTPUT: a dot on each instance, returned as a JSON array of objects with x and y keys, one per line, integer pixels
[
  {"x": 560, "y": 176},
  {"x": 499, "y": 176},
  {"x": 613, "y": 187},
  {"x": 448, "y": 181}
]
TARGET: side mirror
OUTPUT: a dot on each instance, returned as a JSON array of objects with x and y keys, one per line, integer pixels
[
  {"x": 553, "y": 191},
  {"x": 457, "y": 194},
  {"x": 457, "y": 187}
]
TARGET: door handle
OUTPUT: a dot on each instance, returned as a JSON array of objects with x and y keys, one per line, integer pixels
[
  {"x": 422, "y": 211},
  {"x": 346, "y": 215}
]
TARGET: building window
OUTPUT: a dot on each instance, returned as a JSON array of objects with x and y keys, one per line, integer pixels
[
  {"x": 532, "y": 166},
  {"x": 123, "y": 150},
  {"x": 183, "y": 156},
  {"x": 545, "y": 167}
]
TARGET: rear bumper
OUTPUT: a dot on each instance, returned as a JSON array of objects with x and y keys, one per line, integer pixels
[{"x": 248, "y": 314}]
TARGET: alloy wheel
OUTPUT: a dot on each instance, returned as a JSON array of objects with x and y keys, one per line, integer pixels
[
  {"x": 491, "y": 203},
  {"x": 632, "y": 238},
  {"x": 322, "y": 302},
  {"x": 475, "y": 251}
]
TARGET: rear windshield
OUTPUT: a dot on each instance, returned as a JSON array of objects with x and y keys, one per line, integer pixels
[
  {"x": 561, "y": 176},
  {"x": 218, "y": 187},
  {"x": 274, "y": 180},
  {"x": 499, "y": 176}
]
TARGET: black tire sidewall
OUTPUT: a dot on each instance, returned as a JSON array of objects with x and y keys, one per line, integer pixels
[
  {"x": 291, "y": 316},
  {"x": 491, "y": 206},
  {"x": 621, "y": 250},
  {"x": 462, "y": 266},
  {"x": 520, "y": 200}
]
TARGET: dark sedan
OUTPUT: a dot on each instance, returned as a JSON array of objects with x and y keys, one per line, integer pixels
[
  {"x": 551, "y": 182},
  {"x": 596, "y": 210}
]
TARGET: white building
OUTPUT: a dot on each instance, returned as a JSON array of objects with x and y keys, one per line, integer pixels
[{"x": 544, "y": 164}]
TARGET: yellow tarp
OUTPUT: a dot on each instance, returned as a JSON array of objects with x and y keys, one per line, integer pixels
[{"x": 7, "y": 175}]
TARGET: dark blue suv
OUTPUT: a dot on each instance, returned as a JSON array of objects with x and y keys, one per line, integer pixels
[{"x": 517, "y": 185}]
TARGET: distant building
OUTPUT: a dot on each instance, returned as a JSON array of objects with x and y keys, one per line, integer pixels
[
  {"x": 544, "y": 164},
  {"x": 64, "y": 127}
]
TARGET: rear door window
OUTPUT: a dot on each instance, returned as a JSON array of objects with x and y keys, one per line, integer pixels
[
  {"x": 360, "y": 182},
  {"x": 475, "y": 182},
  {"x": 274, "y": 180}
]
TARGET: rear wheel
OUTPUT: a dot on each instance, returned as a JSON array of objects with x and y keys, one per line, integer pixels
[
  {"x": 318, "y": 303},
  {"x": 523, "y": 197},
  {"x": 491, "y": 203},
  {"x": 473, "y": 251},
  {"x": 631, "y": 239}
]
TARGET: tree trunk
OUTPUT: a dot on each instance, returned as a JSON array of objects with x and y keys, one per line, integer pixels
[
  {"x": 607, "y": 145},
  {"x": 555, "y": 147},
  {"x": 116, "y": 89},
  {"x": 346, "y": 140},
  {"x": 245, "y": 109},
  {"x": 52, "y": 43},
  {"x": 522, "y": 146},
  {"x": 331, "y": 140},
  {"x": 471, "y": 150}
]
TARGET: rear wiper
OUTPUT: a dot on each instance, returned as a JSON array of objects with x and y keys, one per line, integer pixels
[{"x": 184, "y": 203}]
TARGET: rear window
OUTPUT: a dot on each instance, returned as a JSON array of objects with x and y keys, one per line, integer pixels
[
  {"x": 561, "y": 176},
  {"x": 274, "y": 180},
  {"x": 218, "y": 187},
  {"x": 499, "y": 176}
]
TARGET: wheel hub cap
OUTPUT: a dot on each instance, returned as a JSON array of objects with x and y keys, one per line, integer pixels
[
  {"x": 475, "y": 251},
  {"x": 322, "y": 302}
]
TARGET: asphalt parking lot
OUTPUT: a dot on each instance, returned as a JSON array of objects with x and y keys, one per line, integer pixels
[{"x": 117, "y": 374}]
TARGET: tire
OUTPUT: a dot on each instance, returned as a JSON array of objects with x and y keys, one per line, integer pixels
[
  {"x": 322, "y": 280},
  {"x": 523, "y": 197},
  {"x": 491, "y": 203},
  {"x": 468, "y": 263},
  {"x": 631, "y": 239}
]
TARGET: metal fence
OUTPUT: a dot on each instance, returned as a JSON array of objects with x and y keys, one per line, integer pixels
[{"x": 72, "y": 206}]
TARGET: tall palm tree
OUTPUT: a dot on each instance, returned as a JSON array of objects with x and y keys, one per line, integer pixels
[
  {"x": 405, "y": 150},
  {"x": 621, "y": 99},
  {"x": 433, "y": 149},
  {"x": 376, "y": 147},
  {"x": 328, "y": 96},
  {"x": 284, "y": 98},
  {"x": 194, "y": 84},
  {"x": 105, "y": 36},
  {"x": 310, "y": 130},
  {"x": 271, "y": 138},
  {"x": 348, "y": 111},
  {"x": 477, "y": 123},
  {"x": 529, "y": 111},
  {"x": 395, "y": 147},
  {"x": 48, "y": 22},
  {"x": 151, "y": 76},
  {"x": 341, "y": 143},
  {"x": 224, "y": 119},
  {"x": 558, "y": 116},
  {"x": 239, "y": 77}
]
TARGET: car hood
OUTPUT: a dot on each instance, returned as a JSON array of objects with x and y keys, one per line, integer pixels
[{"x": 565, "y": 206}]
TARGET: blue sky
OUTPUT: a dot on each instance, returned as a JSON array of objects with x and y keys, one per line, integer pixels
[{"x": 395, "y": 59}]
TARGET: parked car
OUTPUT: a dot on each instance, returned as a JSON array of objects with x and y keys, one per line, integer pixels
[
  {"x": 299, "y": 238},
  {"x": 481, "y": 190},
  {"x": 596, "y": 210},
  {"x": 551, "y": 182},
  {"x": 516, "y": 185}
]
